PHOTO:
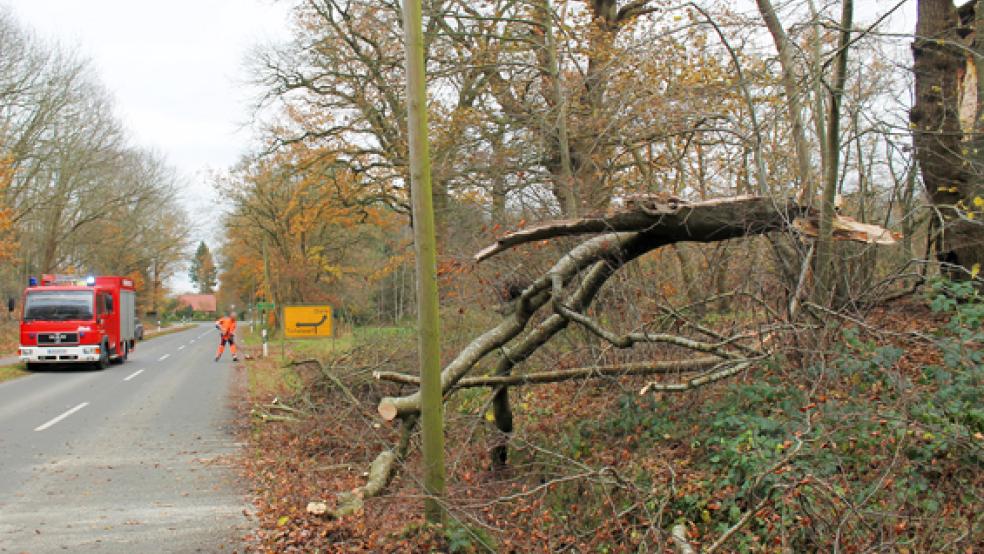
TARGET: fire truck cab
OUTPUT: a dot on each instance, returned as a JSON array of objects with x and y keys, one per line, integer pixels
[{"x": 68, "y": 320}]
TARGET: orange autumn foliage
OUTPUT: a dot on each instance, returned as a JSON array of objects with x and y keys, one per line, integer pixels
[
  {"x": 324, "y": 234},
  {"x": 8, "y": 243}
]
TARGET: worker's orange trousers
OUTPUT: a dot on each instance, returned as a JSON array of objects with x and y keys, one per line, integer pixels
[{"x": 232, "y": 346}]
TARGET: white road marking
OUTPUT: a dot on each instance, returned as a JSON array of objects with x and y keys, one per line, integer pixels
[
  {"x": 182, "y": 347},
  {"x": 134, "y": 374},
  {"x": 61, "y": 417},
  {"x": 164, "y": 357},
  {"x": 193, "y": 341}
]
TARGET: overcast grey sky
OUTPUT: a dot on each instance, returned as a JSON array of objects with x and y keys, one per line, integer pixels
[{"x": 177, "y": 71}]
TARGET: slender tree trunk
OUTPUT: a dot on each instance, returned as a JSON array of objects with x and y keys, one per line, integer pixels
[
  {"x": 273, "y": 292},
  {"x": 428, "y": 318},
  {"x": 155, "y": 287},
  {"x": 869, "y": 256},
  {"x": 722, "y": 272},
  {"x": 908, "y": 215},
  {"x": 825, "y": 243},
  {"x": 977, "y": 47},
  {"x": 565, "y": 188},
  {"x": 498, "y": 202},
  {"x": 793, "y": 100},
  {"x": 817, "y": 80}
]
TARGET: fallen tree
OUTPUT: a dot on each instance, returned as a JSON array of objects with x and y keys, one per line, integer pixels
[
  {"x": 569, "y": 287},
  {"x": 645, "y": 224}
]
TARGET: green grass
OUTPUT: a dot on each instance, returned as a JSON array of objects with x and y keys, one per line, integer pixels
[
  {"x": 368, "y": 332},
  {"x": 12, "y": 372},
  {"x": 317, "y": 348},
  {"x": 269, "y": 376}
]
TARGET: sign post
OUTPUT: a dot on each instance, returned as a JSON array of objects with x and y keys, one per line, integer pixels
[{"x": 262, "y": 308}]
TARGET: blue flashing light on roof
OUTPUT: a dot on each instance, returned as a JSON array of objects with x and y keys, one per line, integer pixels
[
  {"x": 32, "y": 281},
  {"x": 90, "y": 280}
]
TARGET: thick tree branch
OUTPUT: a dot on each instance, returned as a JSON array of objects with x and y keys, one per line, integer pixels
[
  {"x": 672, "y": 220},
  {"x": 590, "y": 372},
  {"x": 669, "y": 219}
]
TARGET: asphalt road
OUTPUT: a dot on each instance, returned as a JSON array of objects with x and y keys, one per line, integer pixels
[{"x": 133, "y": 458}]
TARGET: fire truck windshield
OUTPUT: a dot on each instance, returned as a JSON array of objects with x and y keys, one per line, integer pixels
[{"x": 57, "y": 305}]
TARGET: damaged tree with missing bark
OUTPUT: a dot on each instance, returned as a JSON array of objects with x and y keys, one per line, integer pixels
[{"x": 947, "y": 122}]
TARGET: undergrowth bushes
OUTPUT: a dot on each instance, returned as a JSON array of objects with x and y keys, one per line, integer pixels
[{"x": 868, "y": 450}]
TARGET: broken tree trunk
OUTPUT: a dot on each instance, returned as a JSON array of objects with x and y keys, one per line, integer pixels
[
  {"x": 669, "y": 220},
  {"x": 645, "y": 224},
  {"x": 524, "y": 348}
]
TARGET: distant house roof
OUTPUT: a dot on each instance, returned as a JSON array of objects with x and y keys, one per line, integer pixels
[{"x": 198, "y": 302}]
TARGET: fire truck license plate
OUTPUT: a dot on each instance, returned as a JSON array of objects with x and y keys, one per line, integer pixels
[{"x": 55, "y": 351}]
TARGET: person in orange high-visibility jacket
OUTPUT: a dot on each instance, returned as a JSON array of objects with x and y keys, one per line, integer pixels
[{"x": 227, "y": 326}]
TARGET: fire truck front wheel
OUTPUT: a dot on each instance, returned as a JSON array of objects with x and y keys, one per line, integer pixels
[{"x": 103, "y": 362}]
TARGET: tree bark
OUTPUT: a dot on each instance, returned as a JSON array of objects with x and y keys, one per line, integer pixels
[
  {"x": 825, "y": 244},
  {"x": 938, "y": 59},
  {"x": 429, "y": 318},
  {"x": 565, "y": 189}
]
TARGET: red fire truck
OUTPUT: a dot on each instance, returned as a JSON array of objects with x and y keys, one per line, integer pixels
[{"x": 68, "y": 319}]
